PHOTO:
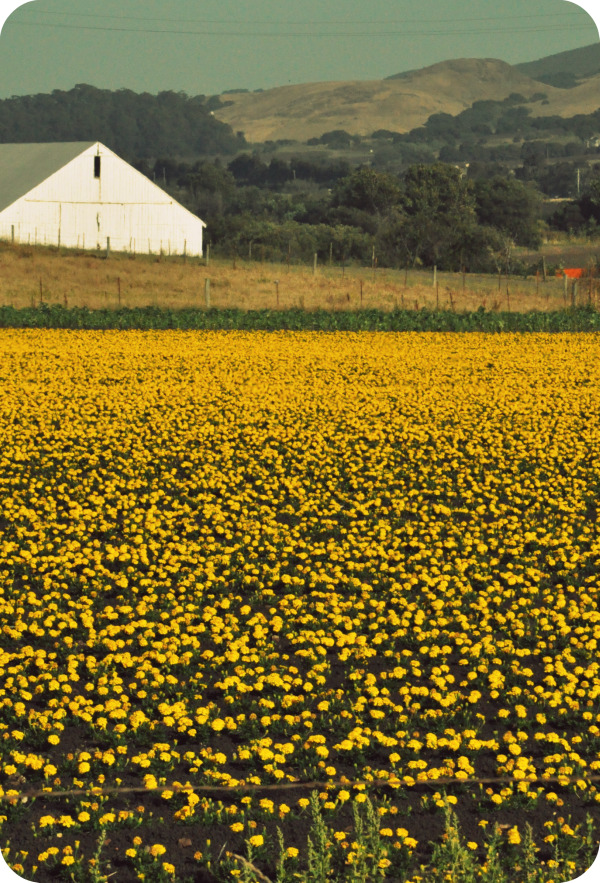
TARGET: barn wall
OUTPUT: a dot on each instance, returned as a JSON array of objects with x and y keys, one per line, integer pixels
[{"x": 75, "y": 209}]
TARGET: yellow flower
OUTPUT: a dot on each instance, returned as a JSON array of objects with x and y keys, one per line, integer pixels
[
  {"x": 256, "y": 840},
  {"x": 514, "y": 836}
]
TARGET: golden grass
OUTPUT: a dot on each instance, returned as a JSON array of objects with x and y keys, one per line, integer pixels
[
  {"x": 304, "y": 110},
  {"x": 30, "y": 275}
]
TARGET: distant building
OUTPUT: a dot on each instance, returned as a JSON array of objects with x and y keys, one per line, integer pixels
[{"x": 81, "y": 195}]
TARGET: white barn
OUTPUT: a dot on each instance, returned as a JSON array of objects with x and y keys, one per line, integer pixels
[{"x": 82, "y": 195}]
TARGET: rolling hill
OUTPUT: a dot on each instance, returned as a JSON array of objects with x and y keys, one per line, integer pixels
[
  {"x": 404, "y": 101},
  {"x": 564, "y": 69}
]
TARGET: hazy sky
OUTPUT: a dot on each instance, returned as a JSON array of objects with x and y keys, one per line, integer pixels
[{"x": 208, "y": 46}]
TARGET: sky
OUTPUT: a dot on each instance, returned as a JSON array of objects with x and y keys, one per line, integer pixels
[{"x": 205, "y": 47}]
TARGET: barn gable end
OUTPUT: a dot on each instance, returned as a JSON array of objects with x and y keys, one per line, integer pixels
[{"x": 83, "y": 195}]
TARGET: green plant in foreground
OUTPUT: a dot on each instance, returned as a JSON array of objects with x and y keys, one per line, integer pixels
[
  {"x": 370, "y": 855},
  {"x": 530, "y": 865},
  {"x": 492, "y": 869},
  {"x": 451, "y": 860},
  {"x": 95, "y": 867},
  {"x": 318, "y": 846},
  {"x": 366, "y": 859}
]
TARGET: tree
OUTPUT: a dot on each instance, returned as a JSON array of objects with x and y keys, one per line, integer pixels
[
  {"x": 248, "y": 169},
  {"x": 210, "y": 177},
  {"x": 368, "y": 191},
  {"x": 511, "y": 207},
  {"x": 589, "y": 204},
  {"x": 136, "y": 126},
  {"x": 437, "y": 213}
]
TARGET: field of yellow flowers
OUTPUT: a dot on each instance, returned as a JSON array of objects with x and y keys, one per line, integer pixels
[{"x": 252, "y": 583}]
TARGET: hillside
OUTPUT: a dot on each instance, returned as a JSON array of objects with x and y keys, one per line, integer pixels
[
  {"x": 399, "y": 103},
  {"x": 564, "y": 69},
  {"x": 584, "y": 99}
]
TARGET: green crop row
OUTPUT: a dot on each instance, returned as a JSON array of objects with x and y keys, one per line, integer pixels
[{"x": 155, "y": 318}]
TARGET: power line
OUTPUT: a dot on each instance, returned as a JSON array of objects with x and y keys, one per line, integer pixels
[
  {"x": 362, "y": 22},
  {"x": 310, "y": 34}
]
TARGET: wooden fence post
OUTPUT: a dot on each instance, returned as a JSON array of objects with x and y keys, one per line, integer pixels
[{"x": 207, "y": 292}]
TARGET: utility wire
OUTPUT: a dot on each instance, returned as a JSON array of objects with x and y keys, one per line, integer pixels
[
  {"x": 311, "y": 35},
  {"x": 371, "y": 22}
]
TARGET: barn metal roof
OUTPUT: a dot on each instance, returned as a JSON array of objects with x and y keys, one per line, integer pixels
[{"x": 24, "y": 166}]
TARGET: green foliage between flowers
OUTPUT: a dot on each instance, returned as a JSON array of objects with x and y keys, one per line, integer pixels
[
  {"x": 502, "y": 859},
  {"x": 155, "y": 318},
  {"x": 365, "y": 856}
]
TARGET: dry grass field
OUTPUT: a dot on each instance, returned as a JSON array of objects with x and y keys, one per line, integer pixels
[{"x": 30, "y": 275}]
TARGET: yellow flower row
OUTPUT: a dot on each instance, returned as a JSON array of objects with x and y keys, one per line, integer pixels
[{"x": 279, "y": 557}]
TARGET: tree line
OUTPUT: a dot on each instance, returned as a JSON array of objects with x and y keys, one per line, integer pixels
[
  {"x": 417, "y": 208},
  {"x": 134, "y": 125},
  {"x": 432, "y": 214}
]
